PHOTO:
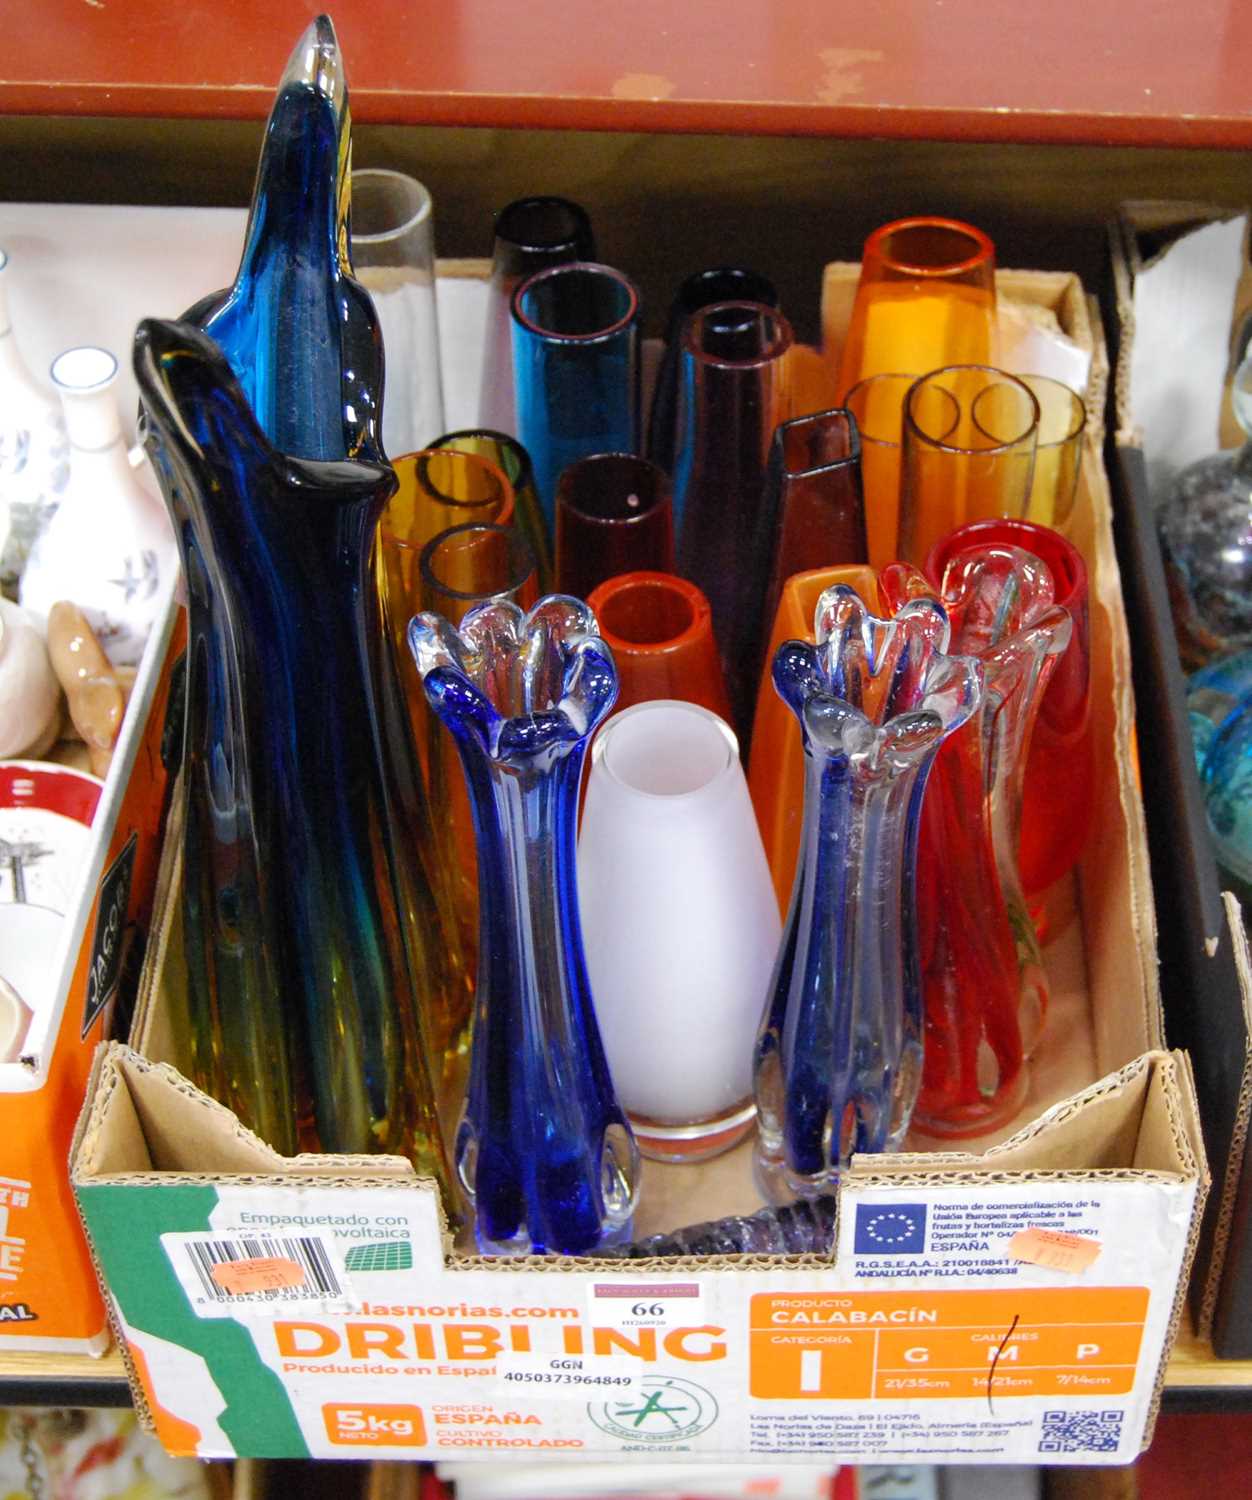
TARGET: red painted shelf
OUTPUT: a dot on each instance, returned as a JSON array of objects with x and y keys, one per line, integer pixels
[{"x": 1155, "y": 73}]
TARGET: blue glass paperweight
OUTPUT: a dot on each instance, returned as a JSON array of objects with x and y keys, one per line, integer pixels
[
  {"x": 1219, "y": 702},
  {"x": 543, "y": 1150}
]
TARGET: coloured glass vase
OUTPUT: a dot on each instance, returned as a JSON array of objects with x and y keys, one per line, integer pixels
[
  {"x": 839, "y": 1053},
  {"x": 614, "y": 514},
  {"x": 304, "y": 917},
  {"x": 1205, "y": 527},
  {"x": 393, "y": 253},
  {"x": 925, "y": 299},
  {"x": 300, "y": 334},
  {"x": 970, "y": 433},
  {"x": 776, "y": 768},
  {"x": 660, "y": 630},
  {"x": 1058, "y": 791},
  {"x": 34, "y": 450},
  {"x": 1219, "y": 704},
  {"x": 543, "y": 1149},
  {"x": 984, "y": 983},
  {"x": 576, "y": 369},
  {"x": 814, "y": 511},
  {"x": 530, "y": 234},
  {"x": 514, "y": 463},
  {"x": 702, "y": 289},
  {"x": 733, "y": 393}
]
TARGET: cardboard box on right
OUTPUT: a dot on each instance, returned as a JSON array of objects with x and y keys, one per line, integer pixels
[{"x": 1183, "y": 318}]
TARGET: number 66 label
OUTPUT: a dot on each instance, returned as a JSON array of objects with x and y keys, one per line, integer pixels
[{"x": 645, "y": 1304}]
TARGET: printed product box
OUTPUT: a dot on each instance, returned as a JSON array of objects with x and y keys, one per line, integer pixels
[
  {"x": 1014, "y": 1305},
  {"x": 1205, "y": 973},
  {"x": 49, "y": 1299}
]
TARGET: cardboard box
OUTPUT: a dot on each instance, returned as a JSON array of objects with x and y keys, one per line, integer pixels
[
  {"x": 924, "y": 1337},
  {"x": 49, "y": 1299},
  {"x": 1205, "y": 974}
]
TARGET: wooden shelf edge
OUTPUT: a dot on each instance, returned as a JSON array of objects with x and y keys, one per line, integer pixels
[{"x": 63, "y": 1380}]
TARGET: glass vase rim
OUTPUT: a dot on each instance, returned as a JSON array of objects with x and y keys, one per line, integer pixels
[
  {"x": 783, "y": 340},
  {"x": 525, "y": 474},
  {"x": 586, "y": 518},
  {"x": 690, "y": 593},
  {"x": 497, "y": 474},
  {"x": 518, "y": 546},
  {"x": 1054, "y": 545},
  {"x": 718, "y": 783},
  {"x": 566, "y": 268},
  {"x": 984, "y": 253},
  {"x": 831, "y": 466},
  {"x": 868, "y": 380},
  {"x": 1078, "y": 407},
  {"x": 910, "y": 424},
  {"x": 99, "y": 382},
  {"x": 691, "y": 282},
  {"x": 420, "y": 215},
  {"x": 582, "y": 218}
]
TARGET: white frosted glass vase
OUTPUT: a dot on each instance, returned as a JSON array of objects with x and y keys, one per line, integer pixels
[
  {"x": 34, "y": 451},
  {"x": 109, "y": 547},
  {"x": 680, "y": 925}
]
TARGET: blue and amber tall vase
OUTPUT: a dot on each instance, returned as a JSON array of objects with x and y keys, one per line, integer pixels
[{"x": 313, "y": 934}]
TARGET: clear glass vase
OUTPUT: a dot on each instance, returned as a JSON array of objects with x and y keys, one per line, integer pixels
[
  {"x": 985, "y": 987},
  {"x": 839, "y": 1053},
  {"x": 543, "y": 1150}
]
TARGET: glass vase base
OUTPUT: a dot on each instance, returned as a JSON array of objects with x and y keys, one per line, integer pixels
[
  {"x": 697, "y": 1141},
  {"x": 779, "y": 1185},
  {"x": 970, "y": 1120}
]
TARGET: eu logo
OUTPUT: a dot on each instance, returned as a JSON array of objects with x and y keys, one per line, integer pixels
[{"x": 890, "y": 1229}]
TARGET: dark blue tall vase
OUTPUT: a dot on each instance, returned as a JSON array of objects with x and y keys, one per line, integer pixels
[{"x": 313, "y": 940}]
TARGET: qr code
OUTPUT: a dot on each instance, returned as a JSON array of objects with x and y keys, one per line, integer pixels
[{"x": 1081, "y": 1431}]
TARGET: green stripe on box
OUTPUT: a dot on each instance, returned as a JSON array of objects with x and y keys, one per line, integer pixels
[{"x": 125, "y": 1224}]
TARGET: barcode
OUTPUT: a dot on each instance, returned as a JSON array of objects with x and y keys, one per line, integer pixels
[
  {"x": 1081, "y": 1431},
  {"x": 309, "y": 1254}
]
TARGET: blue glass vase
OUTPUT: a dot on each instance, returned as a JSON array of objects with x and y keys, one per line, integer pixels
[
  {"x": 839, "y": 1053},
  {"x": 543, "y": 1149},
  {"x": 285, "y": 764},
  {"x": 575, "y": 369}
]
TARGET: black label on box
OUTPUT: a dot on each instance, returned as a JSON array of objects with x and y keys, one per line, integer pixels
[{"x": 106, "y": 945}]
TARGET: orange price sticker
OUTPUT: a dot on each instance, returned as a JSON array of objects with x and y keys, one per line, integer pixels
[
  {"x": 267, "y": 1274},
  {"x": 1054, "y": 1249}
]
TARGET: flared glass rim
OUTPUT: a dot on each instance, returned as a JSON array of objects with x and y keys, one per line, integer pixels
[
  {"x": 783, "y": 340},
  {"x": 984, "y": 251},
  {"x": 910, "y": 424},
  {"x": 690, "y": 593},
  {"x": 420, "y": 215},
  {"x": 1045, "y": 542},
  {"x": 568, "y": 268},
  {"x": 83, "y": 387},
  {"x": 683, "y": 306}
]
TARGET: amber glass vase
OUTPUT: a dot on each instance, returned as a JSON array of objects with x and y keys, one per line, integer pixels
[
  {"x": 513, "y": 461},
  {"x": 926, "y": 298},
  {"x": 614, "y": 514},
  {"x": 459, "y": 568}
]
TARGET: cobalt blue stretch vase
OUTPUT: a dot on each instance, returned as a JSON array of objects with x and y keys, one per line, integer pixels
[
  {"x": 839, "y": 1053},
  {"x": 284, "y": 765},
  {"x": 543, "y": 1149},
  {"x": 312, "y": 944}
]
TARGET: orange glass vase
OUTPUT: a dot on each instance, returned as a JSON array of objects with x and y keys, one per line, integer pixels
[
  {"x": 776, "y": 766},
  {"x": 660, "y": 630},
  {"x": 926, "y": 298}
]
